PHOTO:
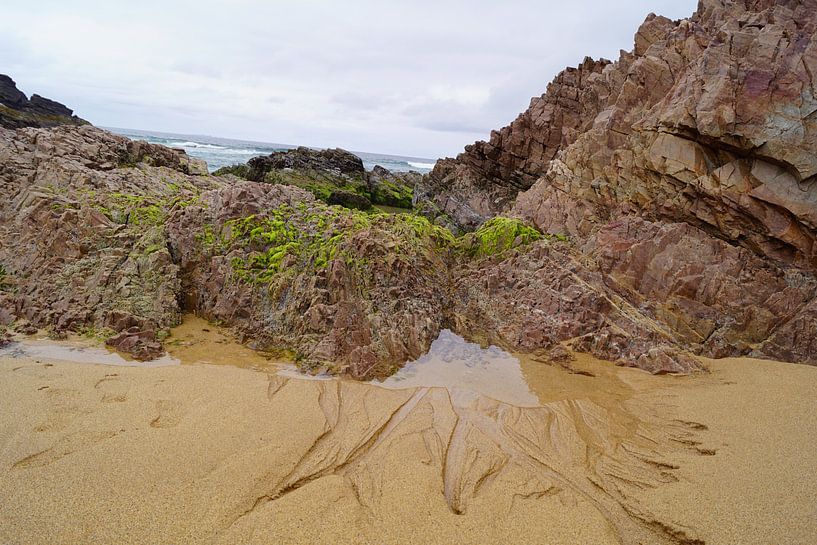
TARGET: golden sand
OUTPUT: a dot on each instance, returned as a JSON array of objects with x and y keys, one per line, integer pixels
[{"x": 220, "y": 454}]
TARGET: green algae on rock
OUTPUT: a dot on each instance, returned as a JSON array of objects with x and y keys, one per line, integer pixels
[
  {"x": 498, "y": 235},
  {"x": 344, "y": 289}
]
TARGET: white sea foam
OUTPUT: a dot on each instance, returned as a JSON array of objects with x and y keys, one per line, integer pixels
[
  {"x": 247, "y": 151},
  {"x": 428, "y": 166},
  {"x": 194, "y": 145}
]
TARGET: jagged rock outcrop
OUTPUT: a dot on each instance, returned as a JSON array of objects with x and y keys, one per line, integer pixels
[
  {"x": 82, "y": 244},
  {"x": 345, "y": 290},
  {"x": 672, "y": 192},
  {"x": 683, "y": 174},
  {"x": 709, "y": 120},
  {"x": 17, "y": 111},
  {"x": 485, "y": 180},
  {"x": 325, "y": 162},
  {"x": 124, "y": 236},
  {"x": 726, "y": 141}
]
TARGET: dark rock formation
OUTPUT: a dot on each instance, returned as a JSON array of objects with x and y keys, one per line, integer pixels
[
  {"x": 49, "y": 107},
  {"x": 334, "y": 176},
  {"x": 336, "y": 162},
  {"x": 394, "y": 189},
  {"x": 18, "y": 111},
  {"x": 10, "y": 95},
  {"x": 347, "y": 199}
]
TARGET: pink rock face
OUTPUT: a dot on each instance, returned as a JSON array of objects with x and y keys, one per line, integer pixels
[
  {"x": 376, "y": 305},
  {"x": 710, "y": 120},
  {"x": 81, "y": 234},
  {"x": 533, "y": 299},
  {"x": 685, "y": 174}
]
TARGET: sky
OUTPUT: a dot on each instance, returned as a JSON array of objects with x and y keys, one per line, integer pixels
[{"x": 420, "y": 78}]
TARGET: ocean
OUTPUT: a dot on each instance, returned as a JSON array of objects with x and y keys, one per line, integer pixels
[{"x": 221, "y": 152}]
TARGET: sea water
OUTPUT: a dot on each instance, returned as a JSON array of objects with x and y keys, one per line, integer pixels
[{"x": 221, "y": 152}]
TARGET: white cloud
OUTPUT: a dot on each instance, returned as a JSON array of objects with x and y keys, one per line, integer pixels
[{"x": 417, "y": 78}]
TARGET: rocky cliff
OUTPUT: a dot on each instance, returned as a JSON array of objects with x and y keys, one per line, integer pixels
[
  {"x": 708, "y": 120},
  {"x": 685, "y": 171},
  {"x": 16, "y": 110}
]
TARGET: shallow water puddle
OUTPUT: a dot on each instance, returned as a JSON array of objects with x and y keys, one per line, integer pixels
[
  {"x": 461, "y": 366},
  {"x": 76, "y": 353},
  {"x": 196, "y": 341}
]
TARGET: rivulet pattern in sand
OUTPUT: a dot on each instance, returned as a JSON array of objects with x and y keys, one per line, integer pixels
[{"x": 208, "y": 454}]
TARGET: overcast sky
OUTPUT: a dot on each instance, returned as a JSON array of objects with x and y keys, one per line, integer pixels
[{"x": 420, "y": 78}]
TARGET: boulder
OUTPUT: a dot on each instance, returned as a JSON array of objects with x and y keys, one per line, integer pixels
[
  {"x": 139, "y": 343},
  {"x": 9, "y": 94},
  {"x": 49, "y": 107},
  {"x": 395, "y": 189}
]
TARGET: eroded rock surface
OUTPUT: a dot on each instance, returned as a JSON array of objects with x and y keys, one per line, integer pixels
[
  {"x": 346, "y": 290},
  {"x": 82, "y": 243},
  {"x": 120, "y": 236},
  {"x": 682, "y": 174},
  {"x": 709, "y": 120},
  {"x": 656, "y": 207}
]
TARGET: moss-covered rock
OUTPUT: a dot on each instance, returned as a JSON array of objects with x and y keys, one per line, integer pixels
[
  {"x": 392, "y": 194},
  {"x": 345, "y": 289},
  {"x": 498, "y": 235},
  {"x": 394, "y": 189}
]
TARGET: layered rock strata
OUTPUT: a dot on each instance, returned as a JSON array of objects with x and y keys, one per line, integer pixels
[
  {"x": 682, "y": 174},
  {"x": 708, "y": 120}
]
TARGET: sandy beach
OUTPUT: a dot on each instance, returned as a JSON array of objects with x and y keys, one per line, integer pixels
[{"x": 220, "y": 454}]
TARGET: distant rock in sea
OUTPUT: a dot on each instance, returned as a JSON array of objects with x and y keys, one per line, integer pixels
[
  {"x": 16, "y": 110},
  {"x": 335, "y": 176}
]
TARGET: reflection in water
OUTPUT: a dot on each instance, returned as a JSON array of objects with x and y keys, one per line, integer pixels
[
  {"x": 197, "y": 341},
  {"x": 76, "y": 353},
  {"x": 464, "y": 367}
]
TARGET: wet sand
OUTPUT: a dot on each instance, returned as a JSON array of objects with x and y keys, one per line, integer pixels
[{"x": 220, "y": 454}]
